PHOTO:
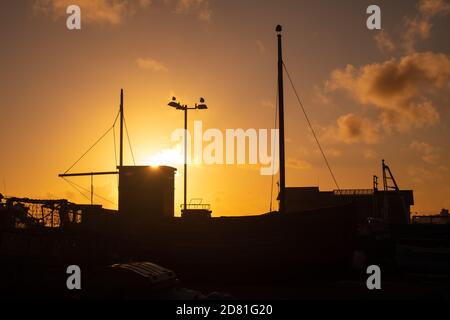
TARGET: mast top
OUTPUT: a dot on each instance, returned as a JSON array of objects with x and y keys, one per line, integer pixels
[{"x": 279, "y": 28}]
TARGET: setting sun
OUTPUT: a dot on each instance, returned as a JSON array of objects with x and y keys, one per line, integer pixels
[{"x": 167, "y": 157}]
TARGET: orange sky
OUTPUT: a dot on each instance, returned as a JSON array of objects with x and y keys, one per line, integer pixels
[{"x": 369, "y": 94}]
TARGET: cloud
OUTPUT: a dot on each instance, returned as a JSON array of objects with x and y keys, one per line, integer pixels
[
  {"x": 267, "y": 104},
  {"x": 369, "y": 154},
  {"x": 93, "y": 11},
  {"x": 151, "y": 65},
  {"x": 298, "y": 164},
  {"x": 397, "y": 88},
  {"x": 432, "y": 8},
  {"x": 205, "y": 15},
  {"x": 333, "y": 152},
  {"x": 429, "y": 153},
  {"x": 421, "y": 175},
  {"x": 115, "y": 12},
  {"x": 145, "y": 3},
  {"x": 319, "y": 97},
  {"x": 261, "y": 47},
  {"x": 419, "y": 26},
  {"x": 384, "y": 42},
  {"x": 201, "y": 8},
  {"x": 415, "y": 28},
  {"x": 351, "y": 128}
]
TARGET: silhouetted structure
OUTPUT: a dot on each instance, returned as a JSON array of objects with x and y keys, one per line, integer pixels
[
  {"x": 146, "y": 193},
  {"x": 442, "y": 218},
  {"x": 314, "y": 239},
  {"x": 384, "y": 205},
  {"x": 196, "y": 209}
]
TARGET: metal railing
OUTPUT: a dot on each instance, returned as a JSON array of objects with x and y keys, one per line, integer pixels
[
  {"x": 353, "y": 192},
  {"x": 196, "y": 204},
  {"x": 202, "y": 206},
  {"x": 431, "y": 219}
]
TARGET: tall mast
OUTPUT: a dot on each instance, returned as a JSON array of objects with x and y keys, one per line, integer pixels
[
  {"x": 281, "y": 123},
  {"x": 121, "y": 128}
]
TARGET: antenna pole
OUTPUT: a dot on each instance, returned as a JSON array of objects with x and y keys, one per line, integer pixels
[
  {"x": 121, "y": 128},
  {"x": 185, "y": 156},
  {"x": 92, "y": 189},
  {"x": 282, "y": 207}
]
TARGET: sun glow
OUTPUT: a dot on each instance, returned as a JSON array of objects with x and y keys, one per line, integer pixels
[{"x": 167, "y": 157}]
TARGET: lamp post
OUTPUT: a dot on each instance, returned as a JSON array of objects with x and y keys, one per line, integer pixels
[{"x": 185, "y": 108}]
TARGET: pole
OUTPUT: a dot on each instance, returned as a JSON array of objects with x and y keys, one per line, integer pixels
[
  {"x": 121, "y": 128},
  {"x": 281, "y": 124},
  {"x": 87, "y": 174},
  {"x": 92, "y": 189},
  {"x": 185, "y": 155}
]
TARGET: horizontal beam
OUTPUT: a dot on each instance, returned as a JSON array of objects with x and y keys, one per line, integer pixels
[{"x": 87, "y": 174}]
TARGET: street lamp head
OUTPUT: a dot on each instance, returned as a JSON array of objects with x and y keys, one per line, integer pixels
[
  {"x": 174, "y": 104},
  {"x": 202, "y": 105}
]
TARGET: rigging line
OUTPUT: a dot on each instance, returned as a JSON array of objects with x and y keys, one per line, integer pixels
[
  {"x": 73, "y": 186},
  {"x": 73, "y": 165},
  {"x": 96, "y": 142},
  {"x": 117, "y": 117},
  {"x": 129, "y": 142},
  {"x": 311, "y": 127},
  {"x": 274, "y": 145},
  {"x": 115, "y": 148},
  {"x": 115, "y": 154},
  {"x": 95, "y": 194}
]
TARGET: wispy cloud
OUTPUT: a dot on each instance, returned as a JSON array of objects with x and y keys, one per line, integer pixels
[
  {"x": 201, "y": 8},
  {"x": 415, "y": 28},
  {"x": 151, "y": 65},
  {"x": 420, "y": 174},
  {"x": 268, "y": 104},
  {"x": 298, "y": 164},
  {"x": 429, "y": 153},
  {"x": 93, "y": 11},
  {"x": 369, "y": 154},
  {"x": 115, "y": 12},
  {"x": 432, "y": 168},
  {"x": 384, "y": 42},
  {"x": 433, "y": 8},
  {"x": 260, "y": 46}
]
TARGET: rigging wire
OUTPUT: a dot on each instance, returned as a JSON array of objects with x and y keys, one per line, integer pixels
[
  {"x": 115, "y": 147},
  {"x": 73, "y": 165},
  {"x": 80, "y": 188},
  {"x": 88, "y": 191},
  {"x": 274, "y": 145},
  {"x": 117, "y": 117},
  {"x": 129, "y": 142},
  {"x": 115, "y": 154},
  {"x": 311, "y": 127},
  {"x": 96, "y": 142},
  {"x": 76, "y": 188}
]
